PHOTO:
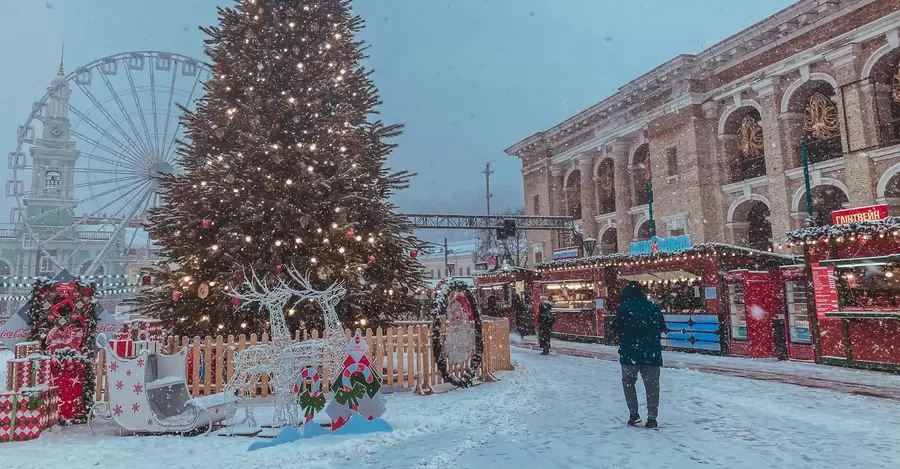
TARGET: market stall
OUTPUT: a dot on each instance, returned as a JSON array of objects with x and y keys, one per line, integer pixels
[
  {"x": 855, "y": 304},
  {"x": 756, "y": 314},
  {"x": 796, "y": 298},
  {"x": 503, "y": 285},
  {"x": 687, "y": 281}
]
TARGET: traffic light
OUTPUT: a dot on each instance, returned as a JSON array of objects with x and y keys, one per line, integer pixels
[{"x": 507, "y": 229}]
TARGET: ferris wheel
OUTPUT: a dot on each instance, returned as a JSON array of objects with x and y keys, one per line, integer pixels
[{"x": 90, "y": 155}]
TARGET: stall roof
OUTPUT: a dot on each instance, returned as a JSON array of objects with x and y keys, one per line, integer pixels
[
  {"x": 501, "y": 271},
  {"x": 889, "y": 226},
  {"x": 617, "y": 259}
]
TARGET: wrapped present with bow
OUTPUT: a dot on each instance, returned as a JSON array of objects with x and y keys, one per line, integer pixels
[
  {"x": 24, "y": 415},
  {"x": 122, "y": 344},
  {"x": 144, "y": 342},
  {"x": 153, "y": 328},
  {"x": 28, "y": 372}
]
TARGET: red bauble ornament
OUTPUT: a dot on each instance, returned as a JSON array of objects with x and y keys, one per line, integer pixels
[
  {"x": 277, "y": 126},
  {"x": 239, "y": 275},
  {"x": 145, "y": 280},
  {"x": 180, "y": 206},
  {"x": 207, "y": 223},
  {"x": 279, "y": 268},
  {"x": 176, "y": 295},
  {"x": 414, "y": 253},
  {"x": 235, "y": 302},
  {"x": 371, "y": 259},
  {"x": 351, "y": 234}
]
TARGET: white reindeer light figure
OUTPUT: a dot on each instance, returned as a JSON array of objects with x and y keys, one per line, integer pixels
[{"x": 283, "y": 359}]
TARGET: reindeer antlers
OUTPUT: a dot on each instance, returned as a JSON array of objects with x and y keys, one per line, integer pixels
[{"x": 260, "y": 291}]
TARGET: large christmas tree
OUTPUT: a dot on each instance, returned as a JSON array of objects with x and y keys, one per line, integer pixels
[{"x": 283, "y": 166}]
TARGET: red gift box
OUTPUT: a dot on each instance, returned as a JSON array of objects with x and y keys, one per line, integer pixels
[
  {"x": 24, "y": 349},
  {"x": 27, "y": 372},
  {"x": 153, "y": 328},
  {"x": 25, "y": 415},
  {"x": 123, "y": 348}
]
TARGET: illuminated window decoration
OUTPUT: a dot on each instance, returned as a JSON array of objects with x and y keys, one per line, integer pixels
[
  {"x": 750, "y": 138},
  {"x": 821, "y": 117}
]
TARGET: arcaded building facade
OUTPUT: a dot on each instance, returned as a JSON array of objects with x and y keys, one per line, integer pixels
[{"x": 719, "y": 135}]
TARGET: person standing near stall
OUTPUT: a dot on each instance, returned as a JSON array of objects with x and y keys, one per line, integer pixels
[
  {"x": 640, "y": 324},
  {"x": 492, "y": 309},
  {"x": 521, "y": 315},
  {"x": 546, "y": 318}
]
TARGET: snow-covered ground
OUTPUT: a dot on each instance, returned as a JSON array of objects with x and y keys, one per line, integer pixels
[{"x": 554, "y": 411}]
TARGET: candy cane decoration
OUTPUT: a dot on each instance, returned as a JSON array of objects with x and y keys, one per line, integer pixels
[
  {"x": 310, "y": 373},
  {"x": 352, "y": 370}
]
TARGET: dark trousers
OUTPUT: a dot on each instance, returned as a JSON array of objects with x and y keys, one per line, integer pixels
[
  {"x": 544, "y": 338},
  {"x": 650, "y": 376}
]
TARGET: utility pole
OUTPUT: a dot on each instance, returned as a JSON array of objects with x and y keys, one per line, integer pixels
[
  {"x": 487, "y": 184},
  {"x": 446, "y": 259}
]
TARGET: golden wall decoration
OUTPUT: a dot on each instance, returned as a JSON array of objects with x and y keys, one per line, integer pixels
[
  {"x": 821, "y": 117},
  {"x": 750, "y": 139}
]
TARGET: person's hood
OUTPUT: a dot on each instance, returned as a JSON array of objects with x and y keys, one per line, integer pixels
[{"x": 633, "y": 291}]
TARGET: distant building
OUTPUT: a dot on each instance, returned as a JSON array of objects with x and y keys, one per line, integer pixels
[{"x": 460, "y": 253}]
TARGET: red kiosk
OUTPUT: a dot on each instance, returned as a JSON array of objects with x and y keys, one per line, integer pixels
[
  {"x": 502, "y": 284},
  {"x": 704, "y": 305},
  {"x": 855, "y": 276}
]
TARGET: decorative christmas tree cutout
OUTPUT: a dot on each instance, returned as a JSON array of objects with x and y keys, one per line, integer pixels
[{"x": 358, "y": 389}]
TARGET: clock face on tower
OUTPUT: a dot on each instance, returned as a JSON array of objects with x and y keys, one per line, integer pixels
[{"x": 56, "y": 132}]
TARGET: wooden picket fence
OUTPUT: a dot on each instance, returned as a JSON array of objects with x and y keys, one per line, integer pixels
[{"x": 403, "y": 352}]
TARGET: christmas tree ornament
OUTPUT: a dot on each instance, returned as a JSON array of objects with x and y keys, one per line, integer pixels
[
  {"x": 145, "y": 280},
  {"x": 206, "y": 223},
  {"x": 203, "y": 291},
  {"x": 414, "y": 253},
  {"x": 351, "y": 234},
  {"x": 235, "y": 302},
  {"x": 279, "y": 268},
  {"x": 239, "y": 275},
  {"x": 176, "y": 295}
]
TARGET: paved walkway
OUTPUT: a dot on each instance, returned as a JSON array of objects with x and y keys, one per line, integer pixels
[{"x": 844, "y": 380}]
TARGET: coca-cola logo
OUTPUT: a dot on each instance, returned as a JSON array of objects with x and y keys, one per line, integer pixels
[
  {"x": 14, "y": 334},
  {"x": 106, "y": 328},
  {"x": 64, "y": 337}
]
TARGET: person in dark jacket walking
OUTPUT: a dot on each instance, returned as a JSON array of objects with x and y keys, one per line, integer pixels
[
  {"x": 492, "y": 309},
  {"x": 521, "y": 315},
  {"x": 546, "y": 318},
  {"x": 640, "y": 324}
]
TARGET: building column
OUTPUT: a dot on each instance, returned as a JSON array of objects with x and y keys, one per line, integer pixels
[
  {"x": 588, "y": 198},
  {"x": 624, "y": 223},
  {"x": 557, "y": 193},
  {"x": 781, "y": 134}
]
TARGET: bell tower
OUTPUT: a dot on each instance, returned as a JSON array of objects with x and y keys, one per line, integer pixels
[{"x": 53, "y": 158}]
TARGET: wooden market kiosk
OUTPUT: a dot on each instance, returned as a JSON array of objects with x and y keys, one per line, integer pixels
[
  {"x": 855, "y": 300},
  {"x": 716, "y": 298},
  {"x": 502, "y": 284}
]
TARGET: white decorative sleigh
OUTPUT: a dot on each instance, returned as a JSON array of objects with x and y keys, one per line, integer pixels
[{"x": 149, "y": 394}]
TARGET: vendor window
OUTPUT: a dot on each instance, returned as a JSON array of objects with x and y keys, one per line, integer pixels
[
  {"x": 869, "y": 288},
  {"x": 738, "y": 311},
  {"x": 677, "y": 297},
  {"x": 798, "y": 318},
  {"x": 571, "y": 296}
]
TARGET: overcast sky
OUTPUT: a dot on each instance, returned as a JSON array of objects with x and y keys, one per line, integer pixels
[{"x": 467, "y": 77}]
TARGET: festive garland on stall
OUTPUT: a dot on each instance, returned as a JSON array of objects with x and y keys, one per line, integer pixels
[
  {"x": 50, "y": 307},
  {"x": 889, "y": 226},
  {"x": 439, "y": 313}
]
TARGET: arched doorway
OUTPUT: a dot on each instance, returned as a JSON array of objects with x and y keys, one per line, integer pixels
[
  {"x": 606, "y": 187},
  {"x": 825, "y": 199},
  {"x": 609, "y": 241},
  {"x": 640, "y": 175},
  {"x": 573, "y": 194}
]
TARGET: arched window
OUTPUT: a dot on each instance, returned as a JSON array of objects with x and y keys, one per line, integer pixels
[
  {"x": 825, "y": 199},
  {"x": 609, "y": 241},
  {"x": 606, "y": 187},
  {"x": 821, "y": 123},
  {"x": 51, "y": 182},
  {"x": 885, "y": 81},
  {"x": 746, "y": 148},
  {"x": 640, "y": 175},
  {"x": 759, "y": 228},
  {"x": 573, "y": 194},
  {"x": 643, "y": 232}
]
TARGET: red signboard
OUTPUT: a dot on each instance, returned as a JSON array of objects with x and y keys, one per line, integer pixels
[
  {"x": 824, "y": 290},
  {"x": 852, "y": 215}
]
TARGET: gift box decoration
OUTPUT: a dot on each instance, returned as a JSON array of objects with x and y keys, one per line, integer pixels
[
  {"x": 24, "y": 349},
  {"x": 153, "y": 327},
  {"x": 28, "y": 372},
  {"x": 25, "y": 415},
  {"x": 123, "y": 348}
]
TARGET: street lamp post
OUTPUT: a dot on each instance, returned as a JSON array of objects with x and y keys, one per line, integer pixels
[
  {"x": 804, "y": 156},
  {"x": 450, "y": 265},
  {"x": 589, "y": 245}
]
